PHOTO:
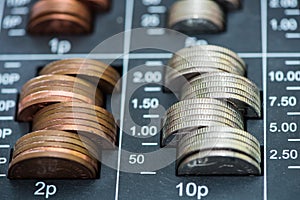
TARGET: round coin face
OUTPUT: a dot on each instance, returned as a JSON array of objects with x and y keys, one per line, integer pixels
[
  {"x": 218, "y": 162},
  {"x": 51, "y": 163}
]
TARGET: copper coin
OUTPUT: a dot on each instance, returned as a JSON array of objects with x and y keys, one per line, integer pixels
[
  {"x": 58, "y": 24},
  {"x": 70, "y": 7},
  {"x": 95, "y": 97},
  {"x": 79, "y": 107},
  {"x": 104, "y": 83},
  {"x": 85, "y": 96},
  {"x": 59, "y": 17},
  {"x": 86, "y": 142},
  {"x": 34, "y": 102},
  {"x": 51, "y": 163},
  {"x": 91, "y": 70},
  {"x": 93, "y": 154},
  {"x": 80, "y": 122},
  {"x": 85, "y": 63},
  {"x": 103, "y": 139},
  {"x": 60, "y": 80},
  {"x": 93, "y": 94},
  {"x": 90, "y": 113},
  {"x": 48, "y": 143},
  {"x": 71, "y": 116}
]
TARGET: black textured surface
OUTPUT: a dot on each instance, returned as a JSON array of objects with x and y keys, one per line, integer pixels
[{"x": 243, "y": 35}]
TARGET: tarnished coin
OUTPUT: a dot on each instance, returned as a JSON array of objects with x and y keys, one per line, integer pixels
[
  {"x": 51, "y": 163},
  {"x": 218, "y": 162}
]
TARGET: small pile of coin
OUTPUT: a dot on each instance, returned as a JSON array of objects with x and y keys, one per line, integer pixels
[
  {"x": 63, "y": 17},
  {"x": 207, "y": 125},
  {"x": 200, "y": 16},
  {"x": 64, "y": 102},
  {"x": 49, "y": 154},
  {"x": 193, "y": 61}
]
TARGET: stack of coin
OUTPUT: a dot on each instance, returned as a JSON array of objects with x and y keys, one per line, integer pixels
[
  {"x": 196, "y": 16},
  {"x": 238, "y": 90},
  {"x": 51, "y": 154},
  {"x": 91, "y": 121},
  {"x": 193, "y": 61},
  {"x": 192, "y": 114},
  {"x": 218, "y": 151},
  {"x": 71, "y": 129},
  {"x": 96, "y": 72},
  {"x": 207, "y": 124},
  {"x": 60, "y": 17},
  {"x": 48, "y": 89}
]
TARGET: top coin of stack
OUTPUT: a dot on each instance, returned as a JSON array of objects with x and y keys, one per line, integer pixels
[
  {"x": 96, "y": 72},
  {"x": 190, "y": 62}
]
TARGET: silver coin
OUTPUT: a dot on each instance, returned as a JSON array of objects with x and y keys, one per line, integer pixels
[
  {"x": 246, "y": 138},
  {"x": 196, "y": 16},
  {"x": 212, "y": 48},
  {"x": 218, "y": 162},
  {"x": 198, "y": 144}
]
